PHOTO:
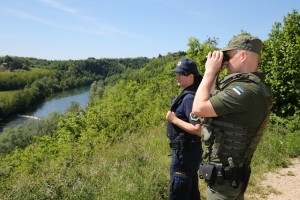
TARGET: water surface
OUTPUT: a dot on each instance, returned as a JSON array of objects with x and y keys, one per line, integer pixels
[{"x": 59, "y": 102}]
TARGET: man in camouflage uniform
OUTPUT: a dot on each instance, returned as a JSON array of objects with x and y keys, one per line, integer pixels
[{"x": 234, "y": 112}]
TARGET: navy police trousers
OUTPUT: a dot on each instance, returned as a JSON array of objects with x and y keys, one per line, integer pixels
[{"x": 184, "y": 173}]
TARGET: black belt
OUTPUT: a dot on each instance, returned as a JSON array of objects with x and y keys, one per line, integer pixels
[
  {"x": 234, "y": 175},
  {"x": 219, "y": 173}
]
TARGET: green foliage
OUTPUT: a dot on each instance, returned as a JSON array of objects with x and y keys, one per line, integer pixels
[
  {"x": 198, "y": 51},
  {"x": 58, "y": 165},
  {"x": 121, "y": 171},
  {"x": 23, "y": 135},
  {"x": 280, "y": 59},
  {"x": 15, "y": 63},
  {"x": 280, "y": 143},
  {"x": 19, "y": 79},
  {"x": 53, "y": 76},
  {"x": 18, "y": 101},
  {"x": 117, "y": 148},
  {"x": 138, "y": 99},
  {"x": 12, "y": 64},
  {"x": 97, "y": 89}
]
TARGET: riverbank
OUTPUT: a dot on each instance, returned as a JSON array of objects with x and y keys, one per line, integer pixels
[{"x": 58, "y": 102}]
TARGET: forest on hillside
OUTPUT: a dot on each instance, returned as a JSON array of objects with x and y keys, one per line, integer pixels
[
  {"x": 117, "y": 148},
  {"x": 28, "y": 81}
]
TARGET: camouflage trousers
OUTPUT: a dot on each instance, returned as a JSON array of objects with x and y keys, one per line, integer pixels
[{"x": 225, "y": 191}]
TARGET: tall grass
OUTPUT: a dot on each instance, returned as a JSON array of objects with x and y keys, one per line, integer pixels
[{"x": 137, "y": 168}]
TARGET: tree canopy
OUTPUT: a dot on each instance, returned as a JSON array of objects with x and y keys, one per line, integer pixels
[{"x": 280, "y": 60}]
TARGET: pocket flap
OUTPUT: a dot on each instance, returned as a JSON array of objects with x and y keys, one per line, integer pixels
[{"x": 207, "y": 171}]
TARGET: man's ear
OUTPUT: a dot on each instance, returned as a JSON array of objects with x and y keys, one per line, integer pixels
[{"x": 244, "y": 55}]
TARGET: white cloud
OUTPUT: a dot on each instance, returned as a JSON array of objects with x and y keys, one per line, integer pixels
[
  {"x": 89, "y": 26},
  {"x": 24, "y": 15},
  {"x": 59, "y": 6},
  {"x": 92, "y": 25}
]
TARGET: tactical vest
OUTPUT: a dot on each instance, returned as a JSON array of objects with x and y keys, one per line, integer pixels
[
  {"x": 226, "y": 140},
  {"x": 174, "y": 131}
]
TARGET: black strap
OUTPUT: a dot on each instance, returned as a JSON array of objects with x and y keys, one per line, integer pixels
[{"x": 179, "y": 99}]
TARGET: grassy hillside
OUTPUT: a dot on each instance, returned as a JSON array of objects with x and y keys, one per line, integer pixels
[{"x": 117, "y": 148}]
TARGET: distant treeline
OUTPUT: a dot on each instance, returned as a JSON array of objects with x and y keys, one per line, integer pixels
[{"x": 27, "y": 81}]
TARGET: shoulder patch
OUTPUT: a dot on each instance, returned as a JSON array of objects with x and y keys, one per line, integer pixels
[
  {"x": 194, "y": 117},
  {"x": 238, "y": 90}
]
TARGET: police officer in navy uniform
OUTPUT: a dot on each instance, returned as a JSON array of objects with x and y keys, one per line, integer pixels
[
  {"x": 234, "y": 113},
  {"x": 184, "y": 135}
]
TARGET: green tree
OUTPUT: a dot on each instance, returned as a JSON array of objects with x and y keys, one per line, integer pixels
[
  {"x": 198, "y": 51},
  {"x": 280, "y": 60}
]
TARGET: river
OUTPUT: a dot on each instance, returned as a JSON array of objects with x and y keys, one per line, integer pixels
[{"x": 58, "y": 102}]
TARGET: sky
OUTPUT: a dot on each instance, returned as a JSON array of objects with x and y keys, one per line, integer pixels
[{"x": 79, "y": 29}]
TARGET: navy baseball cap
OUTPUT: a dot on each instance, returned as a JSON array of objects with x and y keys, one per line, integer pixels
[{"x": 186, "y": 65}]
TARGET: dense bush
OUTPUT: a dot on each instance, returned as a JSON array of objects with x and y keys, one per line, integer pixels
[
  {"x": 23, "y": 135},
  {"x": 280, "y": 59}
]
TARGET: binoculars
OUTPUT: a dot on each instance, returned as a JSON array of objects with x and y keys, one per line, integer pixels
[{"x": 225, "y": 57}]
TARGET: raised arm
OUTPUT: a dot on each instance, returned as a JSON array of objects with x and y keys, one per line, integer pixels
[{"x": 202, "y": 106}]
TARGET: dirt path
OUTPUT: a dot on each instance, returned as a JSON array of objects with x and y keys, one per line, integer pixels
[{"x": 284, "y": 184}]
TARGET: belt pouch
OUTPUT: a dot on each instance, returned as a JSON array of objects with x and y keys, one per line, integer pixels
[{"x": 208, "y": 173}]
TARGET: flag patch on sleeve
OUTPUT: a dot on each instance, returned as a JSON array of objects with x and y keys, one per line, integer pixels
[{"x": 238, "y": 90}]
